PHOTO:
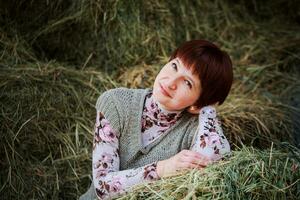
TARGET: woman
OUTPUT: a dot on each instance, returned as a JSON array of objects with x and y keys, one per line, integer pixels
[{"x": 146, "y": 134}]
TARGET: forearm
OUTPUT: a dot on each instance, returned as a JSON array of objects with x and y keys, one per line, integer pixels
[
  {"x": 209, "y": 138},
  {"x": 117, "y": 183},
  {"x": 108, "y": 180}
]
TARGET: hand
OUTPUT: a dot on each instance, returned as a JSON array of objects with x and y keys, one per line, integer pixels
[{"x": 185, "y": 159}]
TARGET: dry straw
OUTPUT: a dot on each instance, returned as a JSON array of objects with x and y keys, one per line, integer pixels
[
  {"x": 57, "y": 57},
  {"x": 247, "y": 174}
]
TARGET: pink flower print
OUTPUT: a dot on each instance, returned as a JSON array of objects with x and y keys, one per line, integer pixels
[
  {"x": 104, "y": 122},
  {"x": 107, "y": 158},
  {"x": 212, "y": 139},
  {"x": 210, "y": 125},
  {"x": 97, "y": 138},
  {"x": 115, "y": 185},
  {"x": 150, "y": 172},
  {"x": 162, "y": 116},
  {"x": 102, "y": 191},
  {"x": 146, "y": 123},
  {"x": 208, "y": 112},
  {"x": 163, "y": 125},
  {"x": 116, "y": 153},
  {"x": 102, "y": 165},
  {"x": 216, "y": 155},
  {"x": 153, "y": 109},
  {"x": 216, "y": 150},
  {"x": 106, "y": 133},
  {"x": 101, "y": 173},
  {"x": 170, "y": 117},
  {"x": 148, "y": 96},
  {"x": 202, "y": 141}
]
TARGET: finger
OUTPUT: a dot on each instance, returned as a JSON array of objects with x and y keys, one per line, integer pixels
[
  {"x": 202, "y": 156},
  {"x": 195, "y": 154},
  {"x": 200, "y": 162},
  {"x": 194, "y": 157},
  {"x": 192, "y": 164},
  {"x": 196, "y": 166},
  {"x": 204, "y": 159},
  {"x": 189, "y": 159},
  {"x": 184, "y": 152},
  {"x": 187, "y": 165}
]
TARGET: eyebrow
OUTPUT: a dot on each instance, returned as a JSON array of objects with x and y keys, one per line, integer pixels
[{"x": 186, "y": 75}]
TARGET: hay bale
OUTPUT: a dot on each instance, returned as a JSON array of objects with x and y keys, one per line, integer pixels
[
  {"x": 121, "y": 33},
  {"x": 47, "y": 112},
  {"x": 248, "y": 174},
  {"x": 46, "y": 129}
]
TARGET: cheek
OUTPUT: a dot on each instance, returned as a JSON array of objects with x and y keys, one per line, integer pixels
[
  {"x": 165, "y": 70},
  {"x": 188, "y": 96},
  {"x": 183, "y": 95},
  {"x": 159, "y": 75},
  {"x": 156, "y": 79}
]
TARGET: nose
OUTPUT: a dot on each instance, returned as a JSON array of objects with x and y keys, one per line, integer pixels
[{"x": 172, "y": 84}]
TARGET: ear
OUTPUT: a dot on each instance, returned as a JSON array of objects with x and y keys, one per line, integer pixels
[
  {"x": 193, "y": 110},
  {"x": 196, "y": 109}
]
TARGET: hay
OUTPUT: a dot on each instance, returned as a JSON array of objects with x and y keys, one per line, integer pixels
[
  {"x": 46, "y": 129},
  {"x": 122, "y": 33},
  {"x": 248, "y": 174},
  {"x": 57, "y": 57}
]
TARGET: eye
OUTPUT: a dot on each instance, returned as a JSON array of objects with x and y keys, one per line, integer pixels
[
  {"x": 174, "y": 66},
  {"x": 188, "y": 83}
]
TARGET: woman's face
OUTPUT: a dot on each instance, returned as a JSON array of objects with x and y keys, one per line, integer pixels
[{"x": 176, "y": 87}]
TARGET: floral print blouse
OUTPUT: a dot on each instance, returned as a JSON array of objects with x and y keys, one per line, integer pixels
[
  {"x": 155, "y": 120},
  {"x": 109, "y": 182}
]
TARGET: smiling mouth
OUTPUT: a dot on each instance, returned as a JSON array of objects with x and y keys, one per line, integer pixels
[{"x": 164, "y": 92}]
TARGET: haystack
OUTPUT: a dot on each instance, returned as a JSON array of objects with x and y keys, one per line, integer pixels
[{"x": 57, "y": 57}]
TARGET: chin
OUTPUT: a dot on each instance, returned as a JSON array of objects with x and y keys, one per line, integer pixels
[
  {"x": 160, "y": 98},
  {"x": 157, "y": 96}
]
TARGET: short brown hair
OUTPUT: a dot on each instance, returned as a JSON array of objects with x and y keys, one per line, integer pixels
[{"x": 212, "y": 65}]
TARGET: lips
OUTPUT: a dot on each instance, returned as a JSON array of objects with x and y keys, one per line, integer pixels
[{"x": 164, "y": 91}]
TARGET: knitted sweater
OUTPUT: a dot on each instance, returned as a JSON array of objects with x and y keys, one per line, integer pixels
[
  {"x": 119, "y": 106},
  {"x": 123, "y": 109}
]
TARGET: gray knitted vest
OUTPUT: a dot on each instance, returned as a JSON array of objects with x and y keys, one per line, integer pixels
[{"x": 123, "y": 109}]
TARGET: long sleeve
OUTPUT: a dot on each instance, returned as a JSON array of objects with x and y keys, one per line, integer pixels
[
  {"x": 108, "y": 180},
  {"x": 209, "y": 139}
]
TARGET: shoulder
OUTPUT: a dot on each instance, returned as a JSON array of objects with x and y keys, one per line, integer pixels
[
  {"x": 112, "y": 95},
  {"x": 116, "y": 92},
  {"x": 121, "y": 93},
  {"x": 119, "y": 96}
]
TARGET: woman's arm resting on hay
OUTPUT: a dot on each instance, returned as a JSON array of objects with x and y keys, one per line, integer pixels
[
  {"x": 209, "y": 139},
  {"x": 108, "y": 180},
  {"x": 185, "y": 159}
]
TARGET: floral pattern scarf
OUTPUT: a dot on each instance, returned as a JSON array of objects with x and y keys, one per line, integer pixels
[{"x": 156, "y": 120}]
